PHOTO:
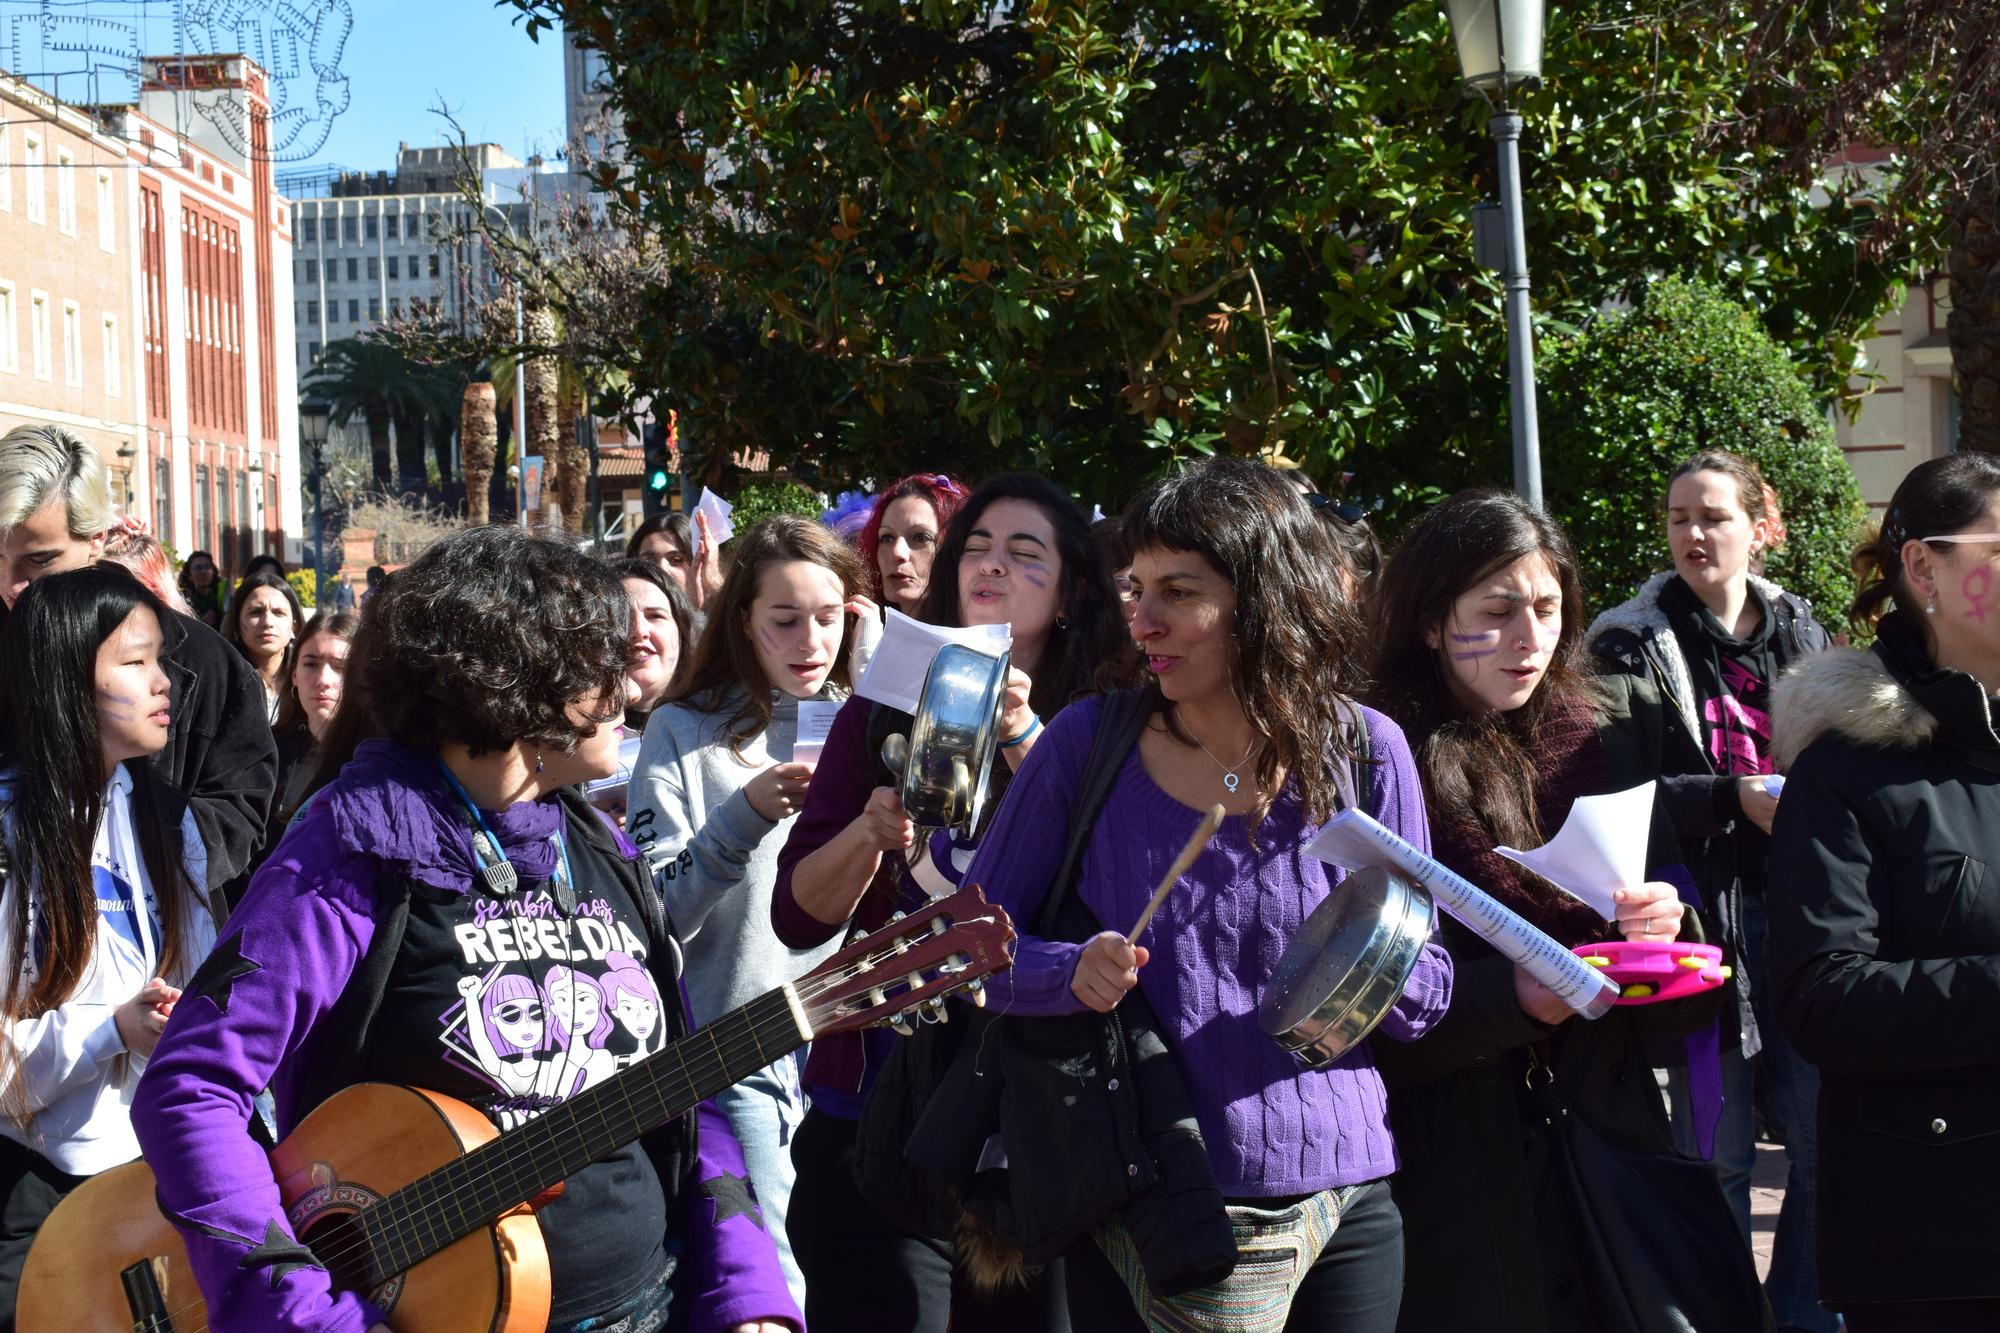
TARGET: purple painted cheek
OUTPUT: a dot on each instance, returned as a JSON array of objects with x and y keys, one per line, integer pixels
[
  {"x": 1475, "y": 655},
  {"x": 117, "y": 707},
  {"x": 1036, "y": 574},
  {"x": 1489, "y": 641}
]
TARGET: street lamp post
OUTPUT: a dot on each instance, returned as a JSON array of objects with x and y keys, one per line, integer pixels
[
  {"x": 313, "y": 416},
  {"x": 1500, "y": 49}
]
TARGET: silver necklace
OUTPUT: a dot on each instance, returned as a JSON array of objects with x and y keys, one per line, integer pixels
[{"x": 1229, "y": 778}]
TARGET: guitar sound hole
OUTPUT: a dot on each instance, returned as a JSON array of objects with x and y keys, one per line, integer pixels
[{"x": 338, "y": 1242}]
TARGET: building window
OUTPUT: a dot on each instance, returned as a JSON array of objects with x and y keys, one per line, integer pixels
[
  {"x": 349, "y": 229},
  {"x": 31, "y": 176},
  {"x": 374, "y": 309},
  {"x": 107, "y": 215},
  {"x": 326, "y": 229},
  {"x": 72, "y": 330},
  {"x": 395, "y": 307},
  {"x": 434, "y": 266},
  {"x": 354, "y": 270},
  {"x": 393, "y": 274},
  {"x": 333, "y": 270},
  {"x": 225, "y": 531},
  {"x": 246, "y": 544},
  {"x": 312, "y": 312},
  {"x": 204, "y": 538},
  {"x": 163, "y": 499},
  {"x": 312, "y": 353},
  {"x": 368, "y": 228},
  {"x": 374, "y": 269},
  {"x": 38, "y": 332},
  {"x": 111, "y": 367},
  {"x": 10, "y": 352},
  {"x": 353, "y": 311},
  {"x": 65, "y": 192}
]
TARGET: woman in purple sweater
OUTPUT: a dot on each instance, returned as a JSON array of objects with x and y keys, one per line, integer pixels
[
  {"x": 493, "y": 938},
  {"x": 1250, "y": 646}
]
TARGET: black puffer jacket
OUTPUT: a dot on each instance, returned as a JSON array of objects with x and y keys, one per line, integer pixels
[
  {"x": 220, "y": 752},
  {"x": 1885, "y": 963}
]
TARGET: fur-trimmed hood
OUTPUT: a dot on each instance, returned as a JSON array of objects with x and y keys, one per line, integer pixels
[
  {"x": 1851, "y": 692},
  {"x": 1888, "y": 697}
]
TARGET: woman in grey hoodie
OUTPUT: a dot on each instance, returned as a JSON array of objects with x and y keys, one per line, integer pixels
[{"x": 717, "y": 787}]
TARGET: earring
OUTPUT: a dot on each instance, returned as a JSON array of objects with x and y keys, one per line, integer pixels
[
  {"x": 1930, "y": 604},
  {"x": 538, "y": 761},
  {"x": 1062, "y": 622}
]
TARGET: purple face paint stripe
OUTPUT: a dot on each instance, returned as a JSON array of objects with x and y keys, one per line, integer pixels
[
  {"x": 1473, "y": 657},
  {"x": 1486, "y": 636}
]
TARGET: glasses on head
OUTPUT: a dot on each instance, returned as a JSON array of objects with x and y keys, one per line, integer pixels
[
  {"x": 1344, "y": 510},
  {"x": 1966, "y": 538}
]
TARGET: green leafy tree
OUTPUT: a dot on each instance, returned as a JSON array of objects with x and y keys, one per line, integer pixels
[
  {"x": 1689, "y": 369},
  {"x": 1093, "y": 237},
  {"x": 360, "y": 377},
  {"x": 760, "y": 500}
]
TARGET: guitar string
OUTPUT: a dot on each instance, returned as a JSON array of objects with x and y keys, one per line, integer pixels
[{"x": 779, "y": 1020}]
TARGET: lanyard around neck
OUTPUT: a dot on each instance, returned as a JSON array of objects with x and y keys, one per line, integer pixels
[{"x": 494, "y": 867}]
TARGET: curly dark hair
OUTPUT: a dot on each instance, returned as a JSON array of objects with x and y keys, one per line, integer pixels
[
  {"x": 1089, "y": 644},
  {"x": 1478, "y": 769},
  {"x": 1296, "y": 633},
  {"x": 489, "y": 638}
]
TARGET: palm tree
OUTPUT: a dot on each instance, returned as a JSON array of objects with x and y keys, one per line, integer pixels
[
  {"x": 543, "y": 380},
  {"x": 358, "y": 377},
  {"x": 479, "y": 434}
]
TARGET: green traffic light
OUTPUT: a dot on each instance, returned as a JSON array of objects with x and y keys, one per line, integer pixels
[{"x": 658, "y": 481}]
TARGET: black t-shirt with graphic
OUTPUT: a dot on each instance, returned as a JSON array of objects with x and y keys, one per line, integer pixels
[{"x": 512, "y": 1006}]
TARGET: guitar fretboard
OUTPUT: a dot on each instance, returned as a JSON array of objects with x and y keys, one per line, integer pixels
[{"x": 473, "y": 1191}]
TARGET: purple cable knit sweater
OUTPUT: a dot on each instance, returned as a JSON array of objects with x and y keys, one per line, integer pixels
[{"x": 1273, "y": 1128}]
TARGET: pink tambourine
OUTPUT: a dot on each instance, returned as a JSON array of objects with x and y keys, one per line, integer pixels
[{"x": 1653, "y": 971}]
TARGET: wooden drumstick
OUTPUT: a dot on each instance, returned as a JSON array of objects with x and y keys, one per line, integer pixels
[{"x": 1210, "y": 822}]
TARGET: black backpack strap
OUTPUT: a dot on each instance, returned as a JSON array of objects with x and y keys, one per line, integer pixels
[{"x": 1118, "y": 727}]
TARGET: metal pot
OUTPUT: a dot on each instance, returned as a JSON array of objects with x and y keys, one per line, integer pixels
[
  {"x": 1347, "y": 966},
  {"x": 953, "y": 735}
]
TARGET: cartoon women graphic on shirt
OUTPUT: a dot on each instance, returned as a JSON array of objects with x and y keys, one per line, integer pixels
[
  {"x": 512, "y": 1038},
  {"x": 635, "y": 1003},
  {"x": 576, "y": 1005}
]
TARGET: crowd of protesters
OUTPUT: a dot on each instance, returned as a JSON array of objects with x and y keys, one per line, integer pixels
[{"x": 236, "y": 833}]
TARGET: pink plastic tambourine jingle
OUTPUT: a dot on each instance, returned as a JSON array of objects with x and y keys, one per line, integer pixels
[{"x": 1655, "y": 971}]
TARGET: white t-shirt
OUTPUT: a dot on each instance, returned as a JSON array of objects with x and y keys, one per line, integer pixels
[{"x": 79, "y": 1075}]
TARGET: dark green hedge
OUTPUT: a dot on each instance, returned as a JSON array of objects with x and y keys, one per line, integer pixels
[{"x": 1689, "y": 369}]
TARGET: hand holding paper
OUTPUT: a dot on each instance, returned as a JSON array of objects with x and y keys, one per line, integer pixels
[
  {"x": 717, "y": 511},
  {"x": 896, "y": 673},
  {"x": 1600, "y": 849},
  {"x": 815, "y": 722}
]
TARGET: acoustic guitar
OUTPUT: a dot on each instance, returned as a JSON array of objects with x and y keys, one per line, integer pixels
[{"x": 415, "y": 1199}]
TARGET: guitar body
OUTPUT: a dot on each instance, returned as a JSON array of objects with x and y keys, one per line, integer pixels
[{"x": 358, "y": 1146}]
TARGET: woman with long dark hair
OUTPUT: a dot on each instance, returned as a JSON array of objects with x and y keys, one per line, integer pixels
[
  {"x": 1479, "y": 633},
  {"x": 1250, "y": 647},
  {"x": 1018, "y": 553},
  {"x": 263, "y": 623},
  {"x": 1713, "y": 635},
  {"x": 101, "y": 868},
  {"x": 436, "y": 894},
  {"x": 683, "y": 551},
  {"x": 201, "y": 583},
  {"x": 663, "y": 638},
  {"x": 717, "y": 787},
  {"x": 1885, "y": 911}
]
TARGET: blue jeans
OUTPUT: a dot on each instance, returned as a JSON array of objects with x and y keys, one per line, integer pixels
[
  {"x": 765, "y": 1110},
  {"x": 1792, "y": 1086}
]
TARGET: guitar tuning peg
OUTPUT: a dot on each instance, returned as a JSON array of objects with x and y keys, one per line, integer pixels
[
  {"x": 938, "y": 926},
  {"x": 975, "y": 991},
  {"x": 898, "y": 916},
  {"x": 901, "y": 1023},
  {"x": 934, "y": 1010}
]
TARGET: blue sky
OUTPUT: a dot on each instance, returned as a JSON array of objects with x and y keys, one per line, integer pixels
[{"x": 401, "y": 58}]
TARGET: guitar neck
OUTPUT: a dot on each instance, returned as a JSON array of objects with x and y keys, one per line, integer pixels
[{"x": 473, "y": 1191}]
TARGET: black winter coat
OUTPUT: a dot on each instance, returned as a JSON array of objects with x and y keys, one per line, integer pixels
[
  {"x": 219, "y": 752},
  {"x": 1885, "y": 962},
  {"x": 1488, "y": 1242}
]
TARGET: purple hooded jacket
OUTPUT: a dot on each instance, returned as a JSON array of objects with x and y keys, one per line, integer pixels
[{"x": 300, "y": 932}]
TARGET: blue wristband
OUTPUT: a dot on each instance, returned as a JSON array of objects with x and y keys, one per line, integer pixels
[{"x": 1023, "y": 738}]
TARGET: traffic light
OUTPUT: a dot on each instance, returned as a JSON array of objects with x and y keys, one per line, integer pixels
[{"x": 659, "y": 475}]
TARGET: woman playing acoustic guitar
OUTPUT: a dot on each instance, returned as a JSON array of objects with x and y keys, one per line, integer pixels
[{"x": 446, "y": 915}]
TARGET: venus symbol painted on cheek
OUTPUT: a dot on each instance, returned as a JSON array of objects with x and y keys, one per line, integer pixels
[{"x": 1978, "y": 588}]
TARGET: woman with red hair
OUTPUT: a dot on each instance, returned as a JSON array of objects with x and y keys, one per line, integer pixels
[{"x": 902, "y": 534}]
